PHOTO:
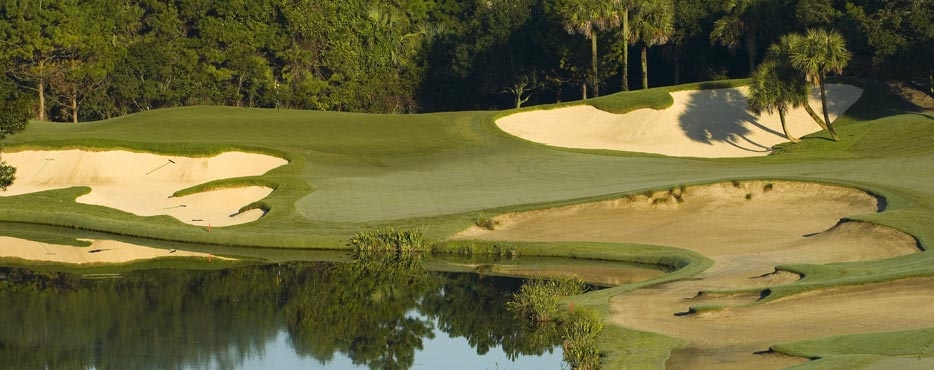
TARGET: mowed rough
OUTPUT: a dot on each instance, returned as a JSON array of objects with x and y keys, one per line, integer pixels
[
  {"x": 144, "y": 184},
  {"x": 700, "y": 123},
  {"x": 747, "y": 228}
]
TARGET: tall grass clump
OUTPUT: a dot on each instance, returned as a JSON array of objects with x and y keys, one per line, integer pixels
[
  {"x": 389, "y": 252},
  {"x": 388, "y": 241},
  {"x": 581, "y": 330},
  {"x": 479, "y": 250},
  {"x": 538, "y": 300}
]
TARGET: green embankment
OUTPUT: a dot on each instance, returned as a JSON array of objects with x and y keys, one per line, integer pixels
[
  {"x": 891, "y": 350},
  {"x": 442, "y": 172}
]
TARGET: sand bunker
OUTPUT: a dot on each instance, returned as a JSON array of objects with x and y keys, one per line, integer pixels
[
  {"x": 747, "y": 229},
  {"x": 100, "y": 251},
  {"x": 143, "y": 184},
  {"x": 700, "y": 123}
]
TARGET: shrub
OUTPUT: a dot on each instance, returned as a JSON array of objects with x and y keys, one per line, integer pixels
[
  {"x": 486, "y": 223},
  {"x": 537, "y": 300},
  {"x": 580, "y": 339}
]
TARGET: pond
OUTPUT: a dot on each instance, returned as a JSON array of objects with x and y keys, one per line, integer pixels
[
  {"x": 309, "y": 315},
  {"x": 290, "y": 315}
]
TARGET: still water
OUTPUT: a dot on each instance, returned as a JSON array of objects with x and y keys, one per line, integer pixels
[{"x": 300, "y": 315}]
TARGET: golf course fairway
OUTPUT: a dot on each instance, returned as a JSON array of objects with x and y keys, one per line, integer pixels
[{"x": 806, "y": 256}]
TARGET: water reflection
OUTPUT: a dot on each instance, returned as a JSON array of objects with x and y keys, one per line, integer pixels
[{"x": 271, "y": 316}]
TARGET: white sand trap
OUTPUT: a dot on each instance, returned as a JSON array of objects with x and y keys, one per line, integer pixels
[
  {"x": 700, "y": 123},
  {"x": 100, "y": 251},
  {"x": 779, "y": 223},
  {"x": 143, "y": 184}
]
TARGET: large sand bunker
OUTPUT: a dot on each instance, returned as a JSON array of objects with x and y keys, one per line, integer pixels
[
  {"x": 700, "y": 123},
  {"x": 747, "y": 229},
  {"x": 143, "y": 184}
]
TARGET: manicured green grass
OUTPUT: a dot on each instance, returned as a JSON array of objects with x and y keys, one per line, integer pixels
[
  {"x": 442, "y": 172},
  {"x": 906, "y": 348}
]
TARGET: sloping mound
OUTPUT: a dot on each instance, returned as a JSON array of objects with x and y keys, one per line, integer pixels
[
  {"x": 700, "y": 123},
  {"x": 143, "y": 184}
]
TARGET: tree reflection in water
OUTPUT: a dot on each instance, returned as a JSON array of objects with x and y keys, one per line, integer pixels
[{"x": 377, "y": 313}]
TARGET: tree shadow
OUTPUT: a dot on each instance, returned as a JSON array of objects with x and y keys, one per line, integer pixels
[
  {"x": 835, "y": 103},
  {"x": 720, "y": 116},
  {"x": 882, "y": 99}
]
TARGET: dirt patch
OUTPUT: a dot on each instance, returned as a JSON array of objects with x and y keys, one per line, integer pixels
[
  {"x": 912, "y": 94},
  {"x": 747, "y": 228}
]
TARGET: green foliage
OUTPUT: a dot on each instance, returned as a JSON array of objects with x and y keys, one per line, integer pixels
[
  {"x": 897, "y": 34},
  {"x": 14, "y": 109},
  {"x": 539, "y": 300},
  {"x": 582, "y": 328},
  {"x": 7, "y": 175}
]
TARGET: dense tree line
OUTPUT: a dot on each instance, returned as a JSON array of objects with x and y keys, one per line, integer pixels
[{"x": 94, "y": 59}]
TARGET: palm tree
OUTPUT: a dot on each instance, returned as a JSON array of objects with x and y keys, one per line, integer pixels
[
  {"x": 777, "y": 86},
  {"x": 623, "y": 9},
  {"x": 738, "y": 25},
  {"x": 585, "y": 17},
  {"x": 652, "y": 26},
  {"x": 781, "y": 53},
  {"x": 817, "y": 53}
]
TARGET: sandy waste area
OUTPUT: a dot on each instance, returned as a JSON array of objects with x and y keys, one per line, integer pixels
[
  {"x": 747, "y": 229},
  {"x": 700, "y": 123}
]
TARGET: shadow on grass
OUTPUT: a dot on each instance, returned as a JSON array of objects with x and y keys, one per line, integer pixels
[{"x": 881, "y": 99}]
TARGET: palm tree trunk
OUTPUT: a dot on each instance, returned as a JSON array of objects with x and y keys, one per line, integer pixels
[
  {"x": 781, "y": 115},
  {"x": 813, "y": 114},
  {"x": 593, "y": 61},
  {"x": 677, "y": 69},
  {"x": 625, "y": 31},
  {"x": 645, "y": 67},
  {"x": 823, "y": 101},
  {"x": 584, "y": 91},
  {"x": 751, "y": 50}
]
